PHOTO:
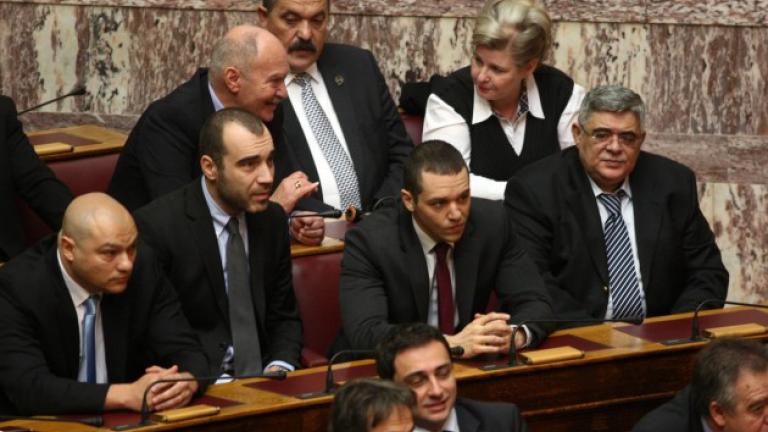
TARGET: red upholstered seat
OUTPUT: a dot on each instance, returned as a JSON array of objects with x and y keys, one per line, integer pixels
[
  {"x": 413, "y": 125},
  {"x": 83, "y": 175}
]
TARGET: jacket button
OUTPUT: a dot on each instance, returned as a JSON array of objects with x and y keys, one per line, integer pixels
[{"x": 605, "y": 288}]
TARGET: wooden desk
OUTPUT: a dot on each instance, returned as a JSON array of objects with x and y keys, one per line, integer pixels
[
  {"x": 607, "y": 390},
  {"x": 333, "y": 242},
  {"x": 86, "y": 140}
]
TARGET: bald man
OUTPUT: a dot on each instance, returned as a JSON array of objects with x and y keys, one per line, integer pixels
[
  {"x": 247, "y": 70},
  {"x": 88, "y": 322}
]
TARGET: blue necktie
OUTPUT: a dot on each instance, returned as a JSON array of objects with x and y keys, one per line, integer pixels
[
  {"x": 622, "y": 278},
  {"x": 89, "y": 338}
]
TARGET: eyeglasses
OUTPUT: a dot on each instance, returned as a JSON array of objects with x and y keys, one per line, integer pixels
[{"x": 603, "y": 136}]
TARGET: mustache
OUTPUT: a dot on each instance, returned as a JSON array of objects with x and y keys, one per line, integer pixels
[{"x": 302, "y": 45}]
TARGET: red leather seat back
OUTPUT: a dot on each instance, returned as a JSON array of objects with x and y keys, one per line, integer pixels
[
  {"x": 316, "y": 283},
  {"x": 413, "y": 125},
  {"x": 89, "y": 174}
]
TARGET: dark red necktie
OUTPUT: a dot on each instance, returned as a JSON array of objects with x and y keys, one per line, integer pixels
[{"x": 444, "y": 290}]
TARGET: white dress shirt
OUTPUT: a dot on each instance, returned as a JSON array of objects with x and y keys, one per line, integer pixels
[
  {"x": 79, "y": 296},
  {"x": 628, "y": 214},
  {"x": 328, "y": 183},
  {"x": 442, "y": 122},
  {"x": 451, "y": 423},
  {"x": 220, "y": 221}
]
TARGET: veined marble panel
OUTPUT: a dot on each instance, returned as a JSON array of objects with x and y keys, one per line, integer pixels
[{"x": 703, "y": 12}]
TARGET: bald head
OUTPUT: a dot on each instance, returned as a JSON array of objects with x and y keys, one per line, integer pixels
[
  {"x": 97, "y": 243},
  {"x": 247, "y": 70}
]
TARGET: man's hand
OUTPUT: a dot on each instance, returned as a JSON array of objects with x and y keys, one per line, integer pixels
[
  {"x": 293, "y": 188},
  {"x": 308, "y": 230},
  {"x": 485, "y": 334},
  {"x": 161, "y": 396}
]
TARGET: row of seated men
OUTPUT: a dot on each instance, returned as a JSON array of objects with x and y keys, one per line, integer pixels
[
  {"x": 418, "y": 392},
  {"x": 600, "y": 230}
]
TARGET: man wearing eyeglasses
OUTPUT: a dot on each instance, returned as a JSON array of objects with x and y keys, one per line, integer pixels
[{"x": 616, "y": 232}]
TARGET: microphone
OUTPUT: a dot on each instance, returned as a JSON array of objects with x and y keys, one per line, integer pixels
[
  {"x": 695, "y": 332},
  {"x": 324, "y": 214},
  {"x": 96, "y": 421},
  {"x": 79, "y": 90},
  {"x": 513, "y": 361},
  {"x": 330, "y": 382}
]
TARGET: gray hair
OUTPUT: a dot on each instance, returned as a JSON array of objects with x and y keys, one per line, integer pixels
[
  {"x": 519, "y": 26},
  {"x": 233, "y": 52},
  {"x": 611, "y": 98},
  {"x": 362, "y": 404},
  {"x": 717, "y": 369}
]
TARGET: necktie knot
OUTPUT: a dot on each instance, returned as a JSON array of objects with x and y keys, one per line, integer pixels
[
  {"x": 233, "y": 226},
  {"x": 90, "y": 305},
  {"x": 302, "y": 79},
  {"x": 612, "y": 202},
  {"x": 441, "y": 250}
]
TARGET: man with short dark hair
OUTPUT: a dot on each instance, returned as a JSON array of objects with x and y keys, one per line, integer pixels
[
  {"x": 418, "y": 356},
  {"x": 728, "y": 392},
  {"x": 437, "y": 258},
  {"x": 340, "y": 124},
  {"x": 371, "y": 405},
  {"x": 225, "y": 247},
  {"x": 616, "y": 232},
  {"x": 88, "y": 322},
  {"x": 247, "y": 69}
]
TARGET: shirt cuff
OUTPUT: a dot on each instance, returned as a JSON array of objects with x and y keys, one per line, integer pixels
[
  {"x": 280, "y": 363},
  {"x": 528, "y": 335}
]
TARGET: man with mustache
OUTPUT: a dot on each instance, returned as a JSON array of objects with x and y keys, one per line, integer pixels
[
  {"x": 616, "y": 232},
  {"x": 247, "y": 69},
  {"x": 417, "y": 356},
  {"x": 225, "y": 247},
  {"x": 340, "y": 124},
  {"x": 437, "y": 258}
]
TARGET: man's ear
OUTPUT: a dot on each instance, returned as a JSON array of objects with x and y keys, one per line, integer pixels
[
  {"x": 232, "y": 79},
  {"x": 262, "y": 11},
  {"x": 576, "y": 131},
  {"x": 208, "y": 167},
  {"x": 67, "y": 247},
  {"x": 717, "y": 414},
  {"x": 408, "y": 201}
]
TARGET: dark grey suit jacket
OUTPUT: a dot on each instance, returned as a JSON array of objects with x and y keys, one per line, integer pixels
[
  {"x": 555, "y": 213},
  {"x": 384, "y": 278},
  {"x": 475, "y": 416},
  {"x": 376, "y": 137},
  {"x": 678, "y": 415},
  {"x": 40, "y": 339},
  {"x": 179, "y": 226}
]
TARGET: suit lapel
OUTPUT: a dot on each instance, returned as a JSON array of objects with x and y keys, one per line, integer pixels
[
  {"x": 582, "y": 203},
  {"x": 466, "y": 255},
  {"x": 467, "y": 420},
  {"x": 115, "y": 318},
  {"x": 201, "y": 224},
  {"x": 416, "y": 265},
  {"x": 295, "y": 143},
  {"x": 66, "y": 317},
  {"x": 647, "y": 217},
  {"x": 256, "y": 261}
]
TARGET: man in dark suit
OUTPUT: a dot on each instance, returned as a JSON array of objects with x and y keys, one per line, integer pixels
[
  {"x": 728, "y": 392},
  {"x": 418, "y": 356},
  {"x": 88, "y": 322},
  {"x": 24, "y": 175},
  {"x": 401, "y": 264},
  {"x": 247, "y": 70},
  {"x": 372, "y": 405},
  {"x": 244, "y": 324},
  {"x": 340, "y": 124},
  {"x": 616, "y": 232}
]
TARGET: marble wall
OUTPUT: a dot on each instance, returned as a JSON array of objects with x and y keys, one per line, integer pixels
[{"x": 700, "y": 65}]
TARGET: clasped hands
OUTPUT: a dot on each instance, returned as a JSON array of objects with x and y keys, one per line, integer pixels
[
  {"x": 161, "y": 396},
  {"x": 487, "y": 334}
]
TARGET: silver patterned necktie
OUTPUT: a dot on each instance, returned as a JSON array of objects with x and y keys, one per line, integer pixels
[
  {"x": 340, "y": 162},
  {"x": 622, "y": 277}
]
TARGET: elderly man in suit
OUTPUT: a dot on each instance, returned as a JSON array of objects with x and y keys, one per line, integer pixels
[
  {"x": 88, "y": 322},
  {"x": 23, "y": 174},
  {"x": 226, "y": 249},
  {"x": 436, "y": 258},
  {"x": 616, "y": 232},
  {"x": 340, "y": 124},
  {"x": 246, "y": 71},
  {"x": 417, "y": 355}
]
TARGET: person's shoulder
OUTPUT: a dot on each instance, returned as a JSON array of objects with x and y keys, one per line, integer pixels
[
  {"x": 182, "y": 102},
  {"x": 343, "y": 50},
  {"x": 22, "y": 275},
  {"x": 659, "y": 162},
  {"x": 674, "y": 415},
  {"x": 552, "y": 73},
  {"x": 168, "y": 205},
  {"x": 491, "y": 414},
  {"x": 546, "y": 169},
  {"x": 6, "y": 105},
  {"x": 378, "y": 225}
]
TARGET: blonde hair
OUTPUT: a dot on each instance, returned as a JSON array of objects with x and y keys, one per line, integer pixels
[{"x": 520, "y": 26}]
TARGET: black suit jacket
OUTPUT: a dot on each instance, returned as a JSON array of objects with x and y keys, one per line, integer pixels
[
  {"x": 376, "y": 137},
  {"x": 24, "y": 175},
  {"x": 179, "y": 226},
  {"x": 161, "y": 153},
  {"x": 475, "y": 416},
  {"x": 678, "y": 415},
  {"x": 384, "y": 278},
  {"x": 556, "y": 216},
  {"x": 39, "y": 334}
]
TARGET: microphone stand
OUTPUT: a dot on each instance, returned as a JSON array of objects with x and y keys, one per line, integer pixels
[
  {"x": 330, "y": 382},
  {"x": 695, "y": 331},
  {"x": 77, "y": 91}
]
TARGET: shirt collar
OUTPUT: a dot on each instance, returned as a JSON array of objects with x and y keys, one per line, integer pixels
[
  {"x": 219, "y": 216},
  {"x": 76, "y": 291},
  {"x": 481, "y": 108},
  {"x": 217, "y": 105},
  {"x": 312, "y": 71},
  {"x": 451, "y": 423},
  {"x": 426, "y": 241},
  {"x": 597, "y": 191}
]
